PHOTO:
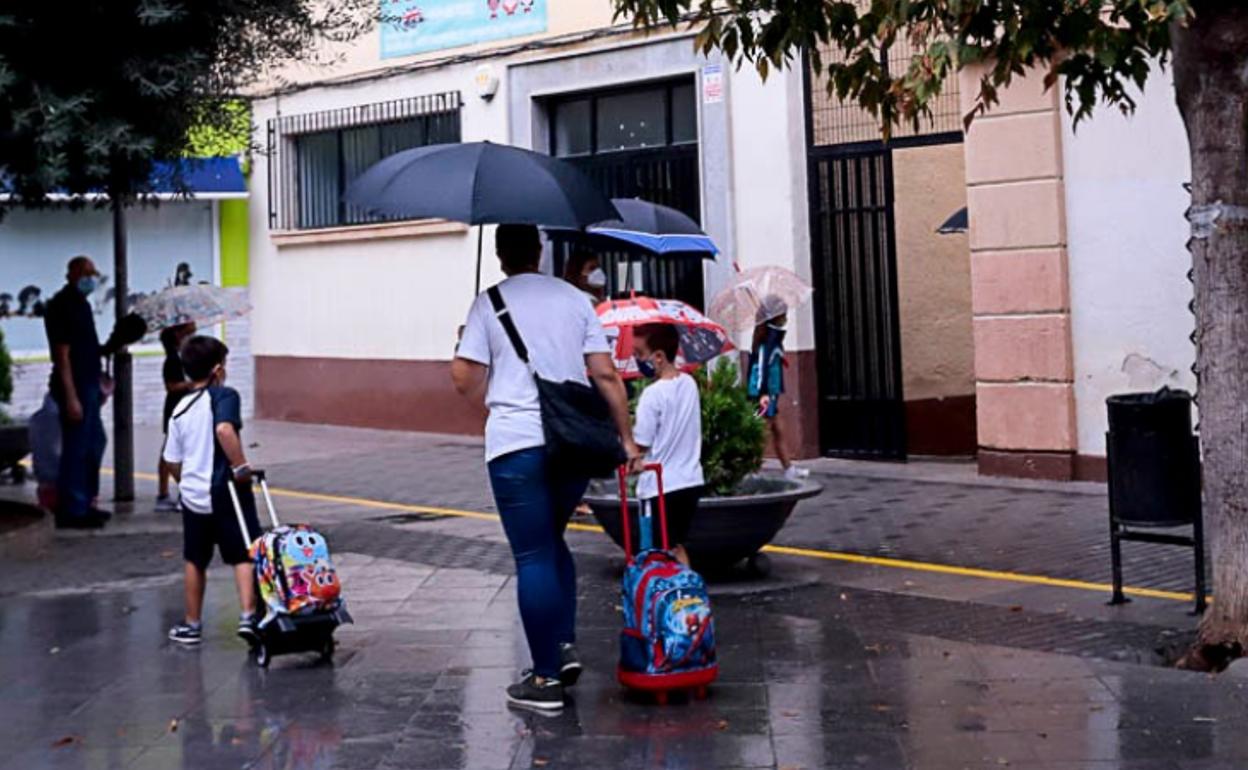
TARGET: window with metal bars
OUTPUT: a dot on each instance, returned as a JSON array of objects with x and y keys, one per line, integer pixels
[{"x": 314, "y": 156}]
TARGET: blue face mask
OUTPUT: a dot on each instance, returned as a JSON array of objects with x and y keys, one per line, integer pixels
[
  {"x": 646, "y": 368},
  {"x": 86, "y": 284}
]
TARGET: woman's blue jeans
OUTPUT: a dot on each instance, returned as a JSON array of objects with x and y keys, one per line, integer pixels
[{"x": 535, "y": 502}]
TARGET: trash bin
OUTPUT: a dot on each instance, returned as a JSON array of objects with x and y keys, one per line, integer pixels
[{"x": 1153, "y": 463}]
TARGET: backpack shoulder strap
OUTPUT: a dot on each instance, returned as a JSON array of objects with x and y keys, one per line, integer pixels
[{"x": 509, "y": 325}]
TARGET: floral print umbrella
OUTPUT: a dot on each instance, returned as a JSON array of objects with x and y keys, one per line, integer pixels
[
  {"x": 202, "y": 304},
  {"x": 757, "y": 295},
  {"x": 701, "y": 339}
]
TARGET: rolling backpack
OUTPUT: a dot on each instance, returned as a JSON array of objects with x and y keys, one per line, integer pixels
[{"x": 668, "y": 640}]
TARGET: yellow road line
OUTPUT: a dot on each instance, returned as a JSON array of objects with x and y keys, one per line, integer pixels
[{"x": 783, "y": 550}]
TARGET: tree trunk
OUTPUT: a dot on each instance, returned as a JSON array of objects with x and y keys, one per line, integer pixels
[{"x": 1211, "y": 86}]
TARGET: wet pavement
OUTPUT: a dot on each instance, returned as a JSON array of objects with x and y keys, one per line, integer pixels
[{"x": 827, "y": 665}]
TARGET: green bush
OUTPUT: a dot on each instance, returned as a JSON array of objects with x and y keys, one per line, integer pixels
[
  {"x": 733, "y": 438},
  {"x": 6, "y": 378}
]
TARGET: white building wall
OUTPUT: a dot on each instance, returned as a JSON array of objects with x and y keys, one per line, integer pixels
[
  {"x": 768, "y": 169},
  {"x": 1128, "y": 263},
  {"x": 380, "y": 298}
]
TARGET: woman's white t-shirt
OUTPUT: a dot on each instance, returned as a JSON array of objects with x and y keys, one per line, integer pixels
[
  {"x": 669, "y": 422},
  {"x": 558, "y": 327}
]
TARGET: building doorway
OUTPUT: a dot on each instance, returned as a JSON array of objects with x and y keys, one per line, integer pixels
[
  {"x": 892, "y": 294},
  {"x": 638, "y": 141}
]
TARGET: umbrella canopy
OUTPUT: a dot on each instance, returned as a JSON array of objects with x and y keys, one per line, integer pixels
[
  {"x": 481, "y": 183},
  {"x": 202, "y": 304},
  {"x": 701, "y": 339},
  {"x": 759, "y": 295},
  {"x": 645, "y": 227},
  {"x": 957, "y": 223}
]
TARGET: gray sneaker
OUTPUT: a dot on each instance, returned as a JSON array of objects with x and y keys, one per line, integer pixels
[
  {"x": 545, "y": 696},
  {"x": 185, "y": 633},
  {"x": 167, "y": 504},
  {"x": 570, "y": 667}
]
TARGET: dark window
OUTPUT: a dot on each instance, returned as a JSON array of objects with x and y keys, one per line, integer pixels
[
  {"x": 313, "y": 157},
  {"x": 618, "y": 120},
  {"x": 638, "y": 142}
]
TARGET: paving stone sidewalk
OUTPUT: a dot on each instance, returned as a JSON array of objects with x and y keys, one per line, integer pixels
[{"x": 839, "y": 665}]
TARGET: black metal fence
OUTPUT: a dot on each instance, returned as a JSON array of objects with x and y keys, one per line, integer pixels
[
  {"x": 861, "y": 410},
  {"x": 314, "y": 156},
  {"x": 665, "y": 175}
]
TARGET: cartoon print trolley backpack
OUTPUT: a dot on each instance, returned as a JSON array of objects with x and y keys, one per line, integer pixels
[
  {"x": 668, "y": 639},
  {"x": 297, "y": 583},
  {"x": 294, "y": 571}
]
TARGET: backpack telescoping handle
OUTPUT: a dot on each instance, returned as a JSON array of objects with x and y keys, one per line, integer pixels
[
  {"x": 625, "y": 518},
  {"x": 260, "y": 476}
]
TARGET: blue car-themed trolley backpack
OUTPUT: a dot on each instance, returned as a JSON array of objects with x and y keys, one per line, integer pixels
[{"x": 668, "y": 640}]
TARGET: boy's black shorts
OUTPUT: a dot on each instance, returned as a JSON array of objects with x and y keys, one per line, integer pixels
[
  {"x": 202, "y": 532},
  {"x": 681, "y": 505}
]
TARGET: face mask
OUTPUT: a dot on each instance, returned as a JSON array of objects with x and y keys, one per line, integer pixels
[
  {"x": 86, "y": 284},
  {"x": 646, "y": 368},
  {"x": 597, "y": 279}
]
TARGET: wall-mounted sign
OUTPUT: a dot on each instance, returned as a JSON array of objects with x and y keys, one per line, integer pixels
[
  {"x": 415, "y": 26},
  {"x": 712, "y": 84}
]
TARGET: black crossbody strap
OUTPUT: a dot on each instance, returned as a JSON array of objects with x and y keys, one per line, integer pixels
[{"x": 509, "y": 325}]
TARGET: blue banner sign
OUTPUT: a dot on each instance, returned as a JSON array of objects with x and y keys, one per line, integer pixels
[{"x": 416, "y": 26}]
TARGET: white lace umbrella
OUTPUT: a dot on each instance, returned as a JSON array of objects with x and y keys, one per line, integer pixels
[
  {"x": 758, "y": 295},
  {"x": 202, "y": 304}
]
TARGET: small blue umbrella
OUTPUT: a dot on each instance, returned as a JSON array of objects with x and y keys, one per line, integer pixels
[{"x": 645, "y": 227}]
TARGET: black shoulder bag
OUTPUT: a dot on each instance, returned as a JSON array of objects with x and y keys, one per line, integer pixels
[{"x": 581, "y": 437}]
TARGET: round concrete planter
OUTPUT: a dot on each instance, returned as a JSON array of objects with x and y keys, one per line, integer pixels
[
  {"x": 14, "y": 446},
  {"x": 725, "y": 530}
]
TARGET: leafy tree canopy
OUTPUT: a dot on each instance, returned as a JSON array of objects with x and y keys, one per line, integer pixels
[
  {"x": 1100, "y": 47},
  {"x": 92, "y": 93}
]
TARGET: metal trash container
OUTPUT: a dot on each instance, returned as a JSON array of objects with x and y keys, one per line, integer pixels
[{"x": 1153, "y": 463}]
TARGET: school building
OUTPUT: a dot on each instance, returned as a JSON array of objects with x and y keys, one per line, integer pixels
[{"x": 977, "y": 293}]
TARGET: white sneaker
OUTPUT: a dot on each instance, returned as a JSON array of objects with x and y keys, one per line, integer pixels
[
  {"x": 794, "y": 473},
  {"x": 167, "y": 504}
]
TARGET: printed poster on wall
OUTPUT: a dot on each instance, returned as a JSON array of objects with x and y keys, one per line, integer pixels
[{"x": 417, "y": 26}]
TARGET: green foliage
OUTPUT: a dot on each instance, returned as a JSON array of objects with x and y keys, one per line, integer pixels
[
  {"x": 1100, "y": 48},
  {"x": 92, "y": 94},
  {"x": 6, "y": 378},
  {"x": 733, "y": 438},
  {"x": 226, "y": 134}
]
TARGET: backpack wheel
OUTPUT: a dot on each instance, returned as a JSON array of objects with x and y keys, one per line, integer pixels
[
  {"x": 660, "y": 698},
  {"x": 260, "y": 654},
  {"x": 327, "y": 649},
  {"x": 700, "y": 693}
]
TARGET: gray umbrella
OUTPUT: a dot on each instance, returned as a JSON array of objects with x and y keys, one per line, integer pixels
[{"x": 481, "y": 183}]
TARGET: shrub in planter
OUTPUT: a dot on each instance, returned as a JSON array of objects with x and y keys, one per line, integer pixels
[
  {"x": 733, "y": 438},
  {"x": 14, "y": 442}
]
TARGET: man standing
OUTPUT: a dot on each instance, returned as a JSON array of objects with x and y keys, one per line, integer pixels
[
  {"x": 75, "y": 349},
  {"x": 535, "y": 499}
]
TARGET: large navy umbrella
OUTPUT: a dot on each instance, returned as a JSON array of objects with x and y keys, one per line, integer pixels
[
  {"x": 645, "y": 227},
  {"x": 481, "y": 183}
]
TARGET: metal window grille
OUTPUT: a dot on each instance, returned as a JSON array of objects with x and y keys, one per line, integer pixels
[
  {"x": 836, "y": 122},
  {"x": 314, "y": 156}
]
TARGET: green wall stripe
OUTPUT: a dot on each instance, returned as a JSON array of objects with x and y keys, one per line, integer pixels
[{"x": 235, "y": 242}]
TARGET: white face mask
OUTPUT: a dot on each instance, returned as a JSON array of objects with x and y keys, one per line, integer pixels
[{"x": 596, "y": 279}]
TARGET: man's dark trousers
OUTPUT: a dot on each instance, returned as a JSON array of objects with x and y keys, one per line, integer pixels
[{"x": 82, "y": 451}]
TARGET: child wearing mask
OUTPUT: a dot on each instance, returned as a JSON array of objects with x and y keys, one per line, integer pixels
[
  {"x": 669, "y": 432},
  {"x": 766, "y": 379},
  {"x": 205, "y": 454}
]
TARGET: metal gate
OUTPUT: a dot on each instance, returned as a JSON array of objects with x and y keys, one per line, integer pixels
[
  {"x": 668, "y": 176},
  {"x": 854, "y": 265}
]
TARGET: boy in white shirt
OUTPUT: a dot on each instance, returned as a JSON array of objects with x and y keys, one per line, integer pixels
[{"x": 669, "y": 432}]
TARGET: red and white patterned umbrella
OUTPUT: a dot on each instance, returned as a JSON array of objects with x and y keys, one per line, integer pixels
[{"x": 701, "y": 339}]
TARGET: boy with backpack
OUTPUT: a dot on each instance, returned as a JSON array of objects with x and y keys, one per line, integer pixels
[
  {"x": 205, "y": 454},
  {"x": 669, "y": 432}
]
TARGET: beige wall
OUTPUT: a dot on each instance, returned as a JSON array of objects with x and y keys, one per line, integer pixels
[
  {"x": 363, "y": 55},
  {"x": 933, "y": 274}
]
